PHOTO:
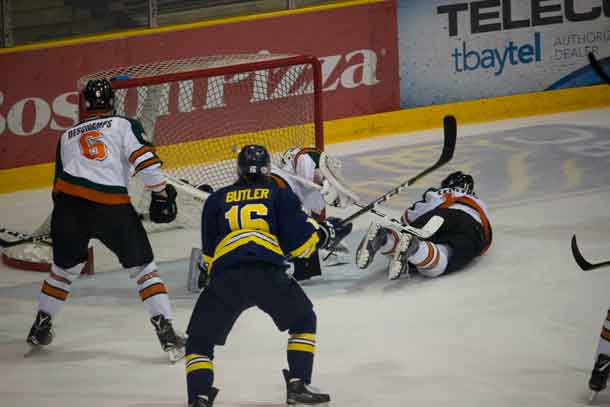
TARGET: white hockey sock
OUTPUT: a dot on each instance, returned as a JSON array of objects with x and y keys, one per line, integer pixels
[
  {"x": 430, "y": 259},
  {"x": 153, "y": 292},
  {"x": 603, "y": 346},
  {"x": 56, "y": 288}
]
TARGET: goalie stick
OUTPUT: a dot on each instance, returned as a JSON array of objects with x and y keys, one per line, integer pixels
[
  {"x": 597, "y": 67},
  {"x": 450, "y": 134},
  {"x": 424, "y": 233},
  {"x": 9, "y": 238},
  {"x": 580, "y": 260}
]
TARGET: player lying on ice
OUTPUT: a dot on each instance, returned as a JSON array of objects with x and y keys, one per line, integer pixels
[
  {"x": 316, "y": 179},
  {"x": 249, "y": 228},
  {"x": 94, "y": 161},
  {"x": 464, "y": 235}
]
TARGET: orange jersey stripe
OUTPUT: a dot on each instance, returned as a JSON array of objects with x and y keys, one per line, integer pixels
[
  {"x": 152, "y": 290},
  {"x": 90, "y": 194}
]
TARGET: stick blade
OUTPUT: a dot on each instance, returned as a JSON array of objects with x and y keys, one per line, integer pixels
[
  {"x": 450, "y": 130},
  {"x": 582, "y": 263},
  {"x": 580, "y": 260}
]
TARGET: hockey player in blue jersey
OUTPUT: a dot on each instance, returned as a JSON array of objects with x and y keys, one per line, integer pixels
[{"x": 249, "y": 229}]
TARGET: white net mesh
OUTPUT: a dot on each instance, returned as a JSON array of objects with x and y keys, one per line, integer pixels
[{"x": 200, "y": 112}]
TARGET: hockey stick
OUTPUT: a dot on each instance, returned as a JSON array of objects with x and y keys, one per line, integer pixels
[
  {"x": 11, "y": 238},
  {"x": 582, "y": 263},
  {"x": 187, "y": 188},
  {"x": 424, "y": 233},
  {"x": 598, "y": 68},
  {"x": 450, "y": 134}
]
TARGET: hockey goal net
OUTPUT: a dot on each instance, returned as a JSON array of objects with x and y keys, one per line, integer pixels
[{"x": 199, "y": 112}]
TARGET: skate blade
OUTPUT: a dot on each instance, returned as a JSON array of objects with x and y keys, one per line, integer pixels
[
  {"x": 33, "y": 350},
  {"x": 176, "y": 354},
  {"x": 592, "y": 396}
]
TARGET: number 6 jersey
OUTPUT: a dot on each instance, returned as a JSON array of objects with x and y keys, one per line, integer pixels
[{"x": 95, "y": 158}]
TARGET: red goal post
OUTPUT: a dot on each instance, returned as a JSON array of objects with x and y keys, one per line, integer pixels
[{"x": 199, "y": 112}]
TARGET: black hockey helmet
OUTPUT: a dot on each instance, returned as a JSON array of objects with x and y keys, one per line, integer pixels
[
  {"x": 98, "y": 95},
  {"x": 253, "y": 162},
  {"x": 459, "y": 180}
]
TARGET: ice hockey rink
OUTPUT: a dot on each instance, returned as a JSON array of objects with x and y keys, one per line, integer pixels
[{"x": 519, "y": 327}]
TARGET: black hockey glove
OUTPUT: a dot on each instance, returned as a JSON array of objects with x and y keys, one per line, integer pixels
[
  {"x": 332, "y": 232},
  {"x": 163, "y": 208}
]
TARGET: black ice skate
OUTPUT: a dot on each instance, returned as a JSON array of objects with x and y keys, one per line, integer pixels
[
  {"x": 171, "y": 342},
  {"x": 400, "y": 262},
  {"x": 298, "y": 392},
  {"x": 375, "y": 237},
  {"x": 205, "y": 400},
  {"x": 599, "y": 375},
  {"x": 41, "y": 333}
]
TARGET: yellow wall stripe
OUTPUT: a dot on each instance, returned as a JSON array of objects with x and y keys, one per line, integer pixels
[{"x": 405, "y": 120}]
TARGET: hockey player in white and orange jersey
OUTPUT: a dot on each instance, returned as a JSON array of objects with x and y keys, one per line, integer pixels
[
  {"x": 464, "y": 235},
  {"x": 601, "y": 369},
  {"x": 94, "y": 160}
]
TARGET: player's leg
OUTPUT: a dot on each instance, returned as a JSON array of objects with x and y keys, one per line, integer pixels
[
  {"x": 70, "y": 235},
  {"x": 215, "y": 312},
  {"x": 122, "y": 232},
  {"x": 601, "y": 369},
  {"x": 375, "y": 239},
  {"x": 285, "y": 301},
  {"x": 455, "y": 245}
]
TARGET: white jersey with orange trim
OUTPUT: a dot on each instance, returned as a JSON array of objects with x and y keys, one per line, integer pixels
[
  {"x": 96, "y": 157},
  {"x": 304, "y": 167},
  {"x": 454, "y": 198}
]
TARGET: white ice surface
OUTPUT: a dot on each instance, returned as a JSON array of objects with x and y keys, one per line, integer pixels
[{"x": 517, "y": 328}]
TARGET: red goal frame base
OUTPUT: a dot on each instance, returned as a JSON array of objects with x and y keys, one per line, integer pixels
[{"x": 44, "y": 267}]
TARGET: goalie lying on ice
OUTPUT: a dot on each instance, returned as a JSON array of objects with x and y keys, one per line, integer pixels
[
  {"x": 316, "y": 179},
  {"x": 464, "y": 235}
]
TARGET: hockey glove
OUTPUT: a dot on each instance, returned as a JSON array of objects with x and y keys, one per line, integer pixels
[
  {"x": 331, "y": 232},
  {"x": 163, "y": 208}
]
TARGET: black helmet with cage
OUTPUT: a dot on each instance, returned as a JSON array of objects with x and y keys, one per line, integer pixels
[
  {"x": 253, "y": 163},
  {"x": 99, "y": 96},
  {"x": 459, "y": 180}
]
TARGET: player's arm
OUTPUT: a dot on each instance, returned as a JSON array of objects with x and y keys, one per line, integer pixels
[
  {"x": 300, "y": 234},
  {"x": 145, "y": 163}
]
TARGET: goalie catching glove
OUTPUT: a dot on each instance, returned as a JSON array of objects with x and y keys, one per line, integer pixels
[
  {"x": 331, "y": 232},
  {"x": 163, "y": 208},
  {"x": 334, "y": 188}
]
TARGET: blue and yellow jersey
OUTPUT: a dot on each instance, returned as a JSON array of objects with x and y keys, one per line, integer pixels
[{"x": 255, "y": 222}]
